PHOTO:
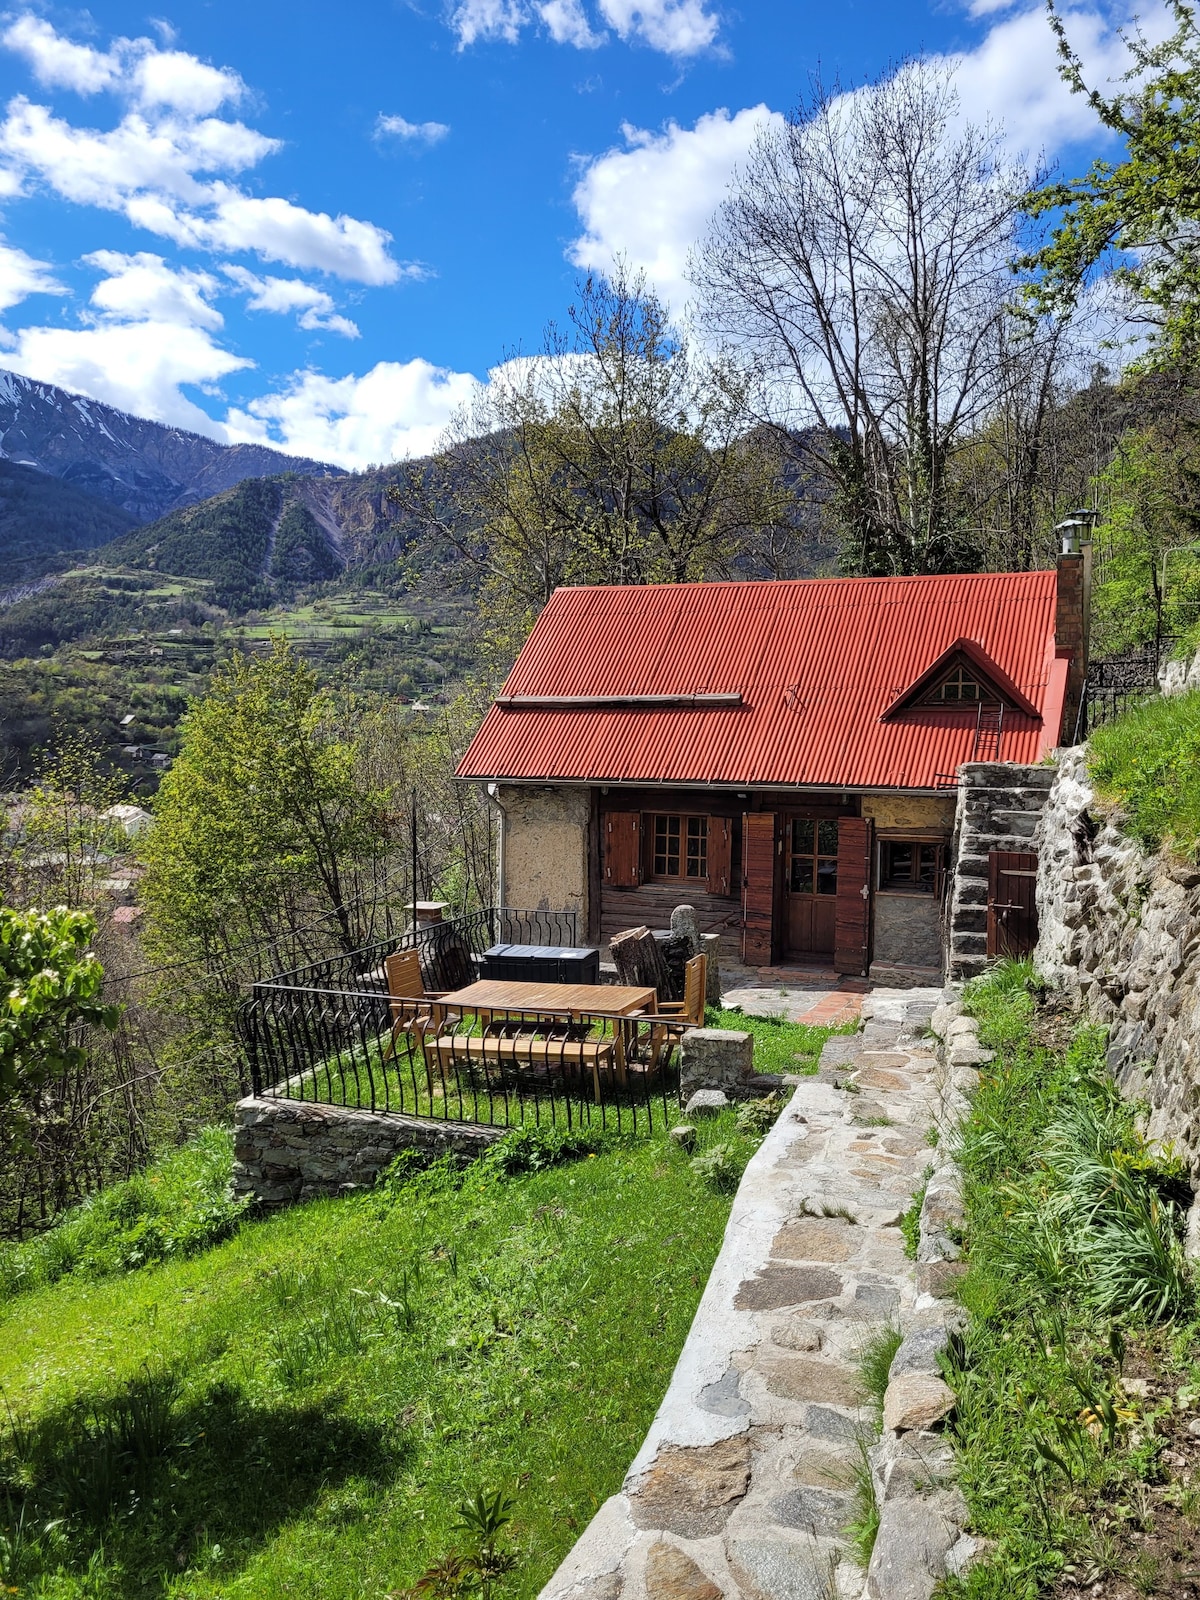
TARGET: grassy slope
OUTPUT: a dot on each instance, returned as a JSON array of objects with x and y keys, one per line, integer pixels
[
  {"x": 347, "y": 1377},
  {"x": 1148, "y": 762},
  {"x": 1076, "y": 1287}
]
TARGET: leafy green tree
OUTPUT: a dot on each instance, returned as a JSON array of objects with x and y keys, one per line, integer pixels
[
  {"x": 1148, "y": 569},
  {"x": 263, "y": 827},
  {"x": 52, "y": 986},
  {"x": 1141, "y": 214},
  {"x": 615, "y": 455}
]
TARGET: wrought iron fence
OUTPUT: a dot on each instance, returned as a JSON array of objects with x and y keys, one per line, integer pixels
[
  {"x": 1103, "y": 705},
  {"x": 329, "y": 1032},
  {"x": 418, "y": 1058},
  {"x": 448, "y": 951}
]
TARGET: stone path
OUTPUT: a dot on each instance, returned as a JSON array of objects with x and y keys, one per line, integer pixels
[{"x": 744, "y": 1484}]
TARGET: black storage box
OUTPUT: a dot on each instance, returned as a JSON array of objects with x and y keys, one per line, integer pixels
[{"x": 541, "y": 963}]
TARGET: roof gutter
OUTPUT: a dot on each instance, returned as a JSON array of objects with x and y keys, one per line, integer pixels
[{"x": 618, "y": 702}]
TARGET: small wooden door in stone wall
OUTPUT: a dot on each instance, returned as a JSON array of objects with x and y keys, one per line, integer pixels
[{"x": 1012, "y": 922}]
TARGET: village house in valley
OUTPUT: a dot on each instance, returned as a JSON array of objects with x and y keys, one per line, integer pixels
[{"x": 780, "y": 755}]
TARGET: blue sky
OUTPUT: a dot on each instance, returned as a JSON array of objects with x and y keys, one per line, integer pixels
[{"x": 317, "y": 225}]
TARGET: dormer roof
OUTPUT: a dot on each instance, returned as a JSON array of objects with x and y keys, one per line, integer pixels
[{"x": 988, "y": 674}]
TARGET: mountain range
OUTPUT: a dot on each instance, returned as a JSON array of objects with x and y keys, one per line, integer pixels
[{"x": 75, "y": 473}]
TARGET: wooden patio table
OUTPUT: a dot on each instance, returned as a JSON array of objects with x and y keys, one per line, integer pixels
[
  {"x": 576, "y": 1000},
  {"x": 501, "y": 994}
]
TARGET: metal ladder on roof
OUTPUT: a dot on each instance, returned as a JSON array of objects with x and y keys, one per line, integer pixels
[{"x": 989, "y": 729}]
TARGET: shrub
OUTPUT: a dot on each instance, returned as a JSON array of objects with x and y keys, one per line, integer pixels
[{"x": 721, "y": 1167}]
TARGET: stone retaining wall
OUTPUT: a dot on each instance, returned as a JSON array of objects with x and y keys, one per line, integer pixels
[
  {"x": 290, "y": 1150},
  {"x": 1120, "y": 937},
  {"x": 1000, "y": 804}
]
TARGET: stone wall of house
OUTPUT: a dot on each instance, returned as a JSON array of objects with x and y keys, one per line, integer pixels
[
  {"x": 906, "y": 940},
  {"x": 1120, "y": 937},
  {"x": 907, "y": 933},
  {"x": 545, "y": 848},
  {"x": 896, "y": 813},
  {"x": 1000, "y": 804},
  {"x": 289, "y": 1150}
]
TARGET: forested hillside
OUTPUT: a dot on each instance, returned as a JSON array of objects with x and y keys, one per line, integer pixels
[{"x": 42, "y": 516}]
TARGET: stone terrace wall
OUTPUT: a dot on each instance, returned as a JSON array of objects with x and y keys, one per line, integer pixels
[
  {"x": 289, "y": 1150},
  {"x": 1120, "y": 935},
  {"x": 999, "y": 806}
]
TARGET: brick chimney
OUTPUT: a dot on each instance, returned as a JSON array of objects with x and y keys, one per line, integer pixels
[{"x": 1072, "y": 626}]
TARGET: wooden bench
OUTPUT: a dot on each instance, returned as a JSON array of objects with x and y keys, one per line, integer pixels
[{"x": 446, "y": 1049}]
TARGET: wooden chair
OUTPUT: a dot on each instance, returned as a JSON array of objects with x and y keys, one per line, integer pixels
[
  {"x": 683, "y": 1014},
  {"x": 405, "y": 987}
]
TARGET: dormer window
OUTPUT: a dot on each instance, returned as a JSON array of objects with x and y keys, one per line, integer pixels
[
  {"x": 963, "y": 675},
  {"x": 960, "y": 685}
]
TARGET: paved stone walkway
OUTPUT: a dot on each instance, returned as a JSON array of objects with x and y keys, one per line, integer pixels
[
  {"x": 745, "y": 1481},
  {"x": 820, "y": 1004}
]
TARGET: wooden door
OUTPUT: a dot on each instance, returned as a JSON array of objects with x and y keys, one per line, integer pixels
[
  {"x": 852, "y": 952},
  {"x": 1012, "y": 921},
  {"x": 811, "y": 885},
  {"x": 758, "y": 888}
]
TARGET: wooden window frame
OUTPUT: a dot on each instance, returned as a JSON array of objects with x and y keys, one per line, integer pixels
[
  {"x": 650, "y": 821},
  {"x": 960, "y": 675},
  {"x": 918, "y": 841},
  {"x": 817, "y": 856}
]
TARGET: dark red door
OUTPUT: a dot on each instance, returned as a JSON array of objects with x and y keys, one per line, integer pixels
[{"x": 1012, "y": 922}]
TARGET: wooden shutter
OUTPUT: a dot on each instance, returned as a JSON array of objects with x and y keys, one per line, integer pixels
[
  {"x": 623, "y": 849},
  {"x": 1012, "y": 919},
  {"x": 758, "y": 887},
  {"x": 720, "y": 855},
  {"x": 852, "y": 926}
]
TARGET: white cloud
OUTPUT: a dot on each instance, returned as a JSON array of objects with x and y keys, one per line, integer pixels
[
  {"x": 166, "y": 165},
  {"x": 136, "y": 68},
  {"x": 142, "y": 287},
  {"x": 21, "y": 275},
  {"x": 57, "y": 62},
  {"x": 396, "y": 409},
  {"x": 650, "y": 199},
  {"x": 676, "y": 27},
  {"x": 138, "y": 366},
  {"x": 1012, "y": 76},
  {"x": 410, "y": 132},
  {"x": 567, "y": 23},
  {"x": 176, "y": 79},
  {"x": 489, "y": 19},
  {"x": 314, "y": 308}
]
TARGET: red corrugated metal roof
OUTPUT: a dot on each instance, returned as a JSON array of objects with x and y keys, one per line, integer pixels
[{"x": 817, "y": 662}]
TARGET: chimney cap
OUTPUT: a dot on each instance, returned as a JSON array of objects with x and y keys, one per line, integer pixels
[{"x": 1070, "y": 530}]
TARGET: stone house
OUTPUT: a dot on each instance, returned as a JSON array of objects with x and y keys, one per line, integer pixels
[{"x": 781, "y": 755}]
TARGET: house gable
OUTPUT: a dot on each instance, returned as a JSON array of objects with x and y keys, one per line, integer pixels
[{"x": 963, "y": 674}]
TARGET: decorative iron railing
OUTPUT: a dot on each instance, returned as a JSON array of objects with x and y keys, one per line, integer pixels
[
  {"x": 449, "y": 951},
  {"x": 500, "y": 1068}
]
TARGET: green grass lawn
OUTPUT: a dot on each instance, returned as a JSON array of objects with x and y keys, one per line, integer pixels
[
  {"x": 779, "y": 1046},
  {"x": 300, "y": 1409}
]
